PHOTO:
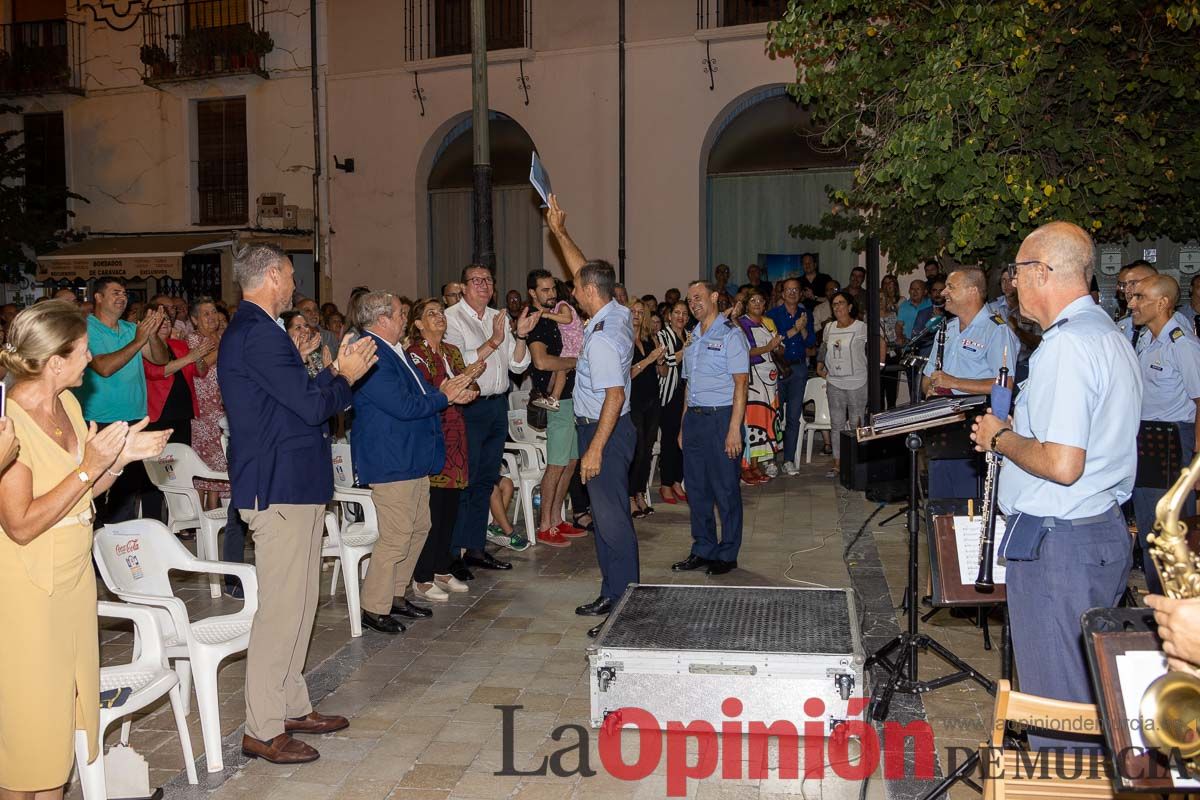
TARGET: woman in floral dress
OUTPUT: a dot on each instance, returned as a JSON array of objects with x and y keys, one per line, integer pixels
[{"x": 206, "y": 427}]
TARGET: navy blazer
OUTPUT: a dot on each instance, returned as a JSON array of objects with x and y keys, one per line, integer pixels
[
  {"x": 279, "y": 442},
  {"x": 397, "y": 431}
]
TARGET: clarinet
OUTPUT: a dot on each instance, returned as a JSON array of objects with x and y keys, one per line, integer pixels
[
  {"x": 941, "y": 353},
  {"x": 1001, "y": 399}
]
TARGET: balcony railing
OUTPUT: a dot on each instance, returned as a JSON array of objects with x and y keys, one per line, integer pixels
[
  {"x": 726, "y": 13},
  {"x": 204, "y": 38},
  {"x": 41, "y": 57},
  {"x": 437, "y": 28}
]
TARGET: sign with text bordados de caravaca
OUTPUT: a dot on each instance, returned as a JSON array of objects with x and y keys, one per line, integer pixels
[{"x": 115, "y": 266}]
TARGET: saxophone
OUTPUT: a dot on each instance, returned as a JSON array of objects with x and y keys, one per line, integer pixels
[{"x": 1170, "y": 708}]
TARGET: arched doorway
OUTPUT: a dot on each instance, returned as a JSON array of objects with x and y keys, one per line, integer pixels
[
  {"x": 765, "y": 170},
  {"x": 516, "y": 218}
]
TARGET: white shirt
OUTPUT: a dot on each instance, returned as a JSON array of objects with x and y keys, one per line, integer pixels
[
  {"x": 846, "y": 355},
  {"x": 466, "y": 331}
]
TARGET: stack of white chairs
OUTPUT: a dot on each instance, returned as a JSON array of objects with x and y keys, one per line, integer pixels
[
  {"x": 135, "y": 559},
  {"x": 172, "y": 473},
  {"x": 148, "y": 677}
]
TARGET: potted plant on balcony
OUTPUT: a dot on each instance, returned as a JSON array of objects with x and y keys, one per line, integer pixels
[
  {"x": 197, "y": 53},
  {"x": 261, "y": 43},
  {"x": 157, "y": 62}
]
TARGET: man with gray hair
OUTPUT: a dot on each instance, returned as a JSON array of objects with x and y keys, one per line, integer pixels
[
  {"x": 281, "y": 476},
  {"x": 398, "y": 443},
  {"x": 1068, "y": 467}
]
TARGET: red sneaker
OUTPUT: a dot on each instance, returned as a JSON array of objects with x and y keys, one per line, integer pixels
[
  {"x": 569, "y": 530},
  {"x": 552, "y": 537}
]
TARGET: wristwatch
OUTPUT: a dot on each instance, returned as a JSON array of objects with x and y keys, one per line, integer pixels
[
  {"x": 84, "y": 478},
  {"x": 996, "y": 438}
]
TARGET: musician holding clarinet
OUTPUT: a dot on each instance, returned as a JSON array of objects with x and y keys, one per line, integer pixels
[
  {"x": 966, "y": 361},
  {"x": 1066, "y": 470}
]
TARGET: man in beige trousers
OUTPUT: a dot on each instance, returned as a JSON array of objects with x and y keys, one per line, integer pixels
[
  {"x": 281, "y": 474},
  {"x": 397, "y": 444}
]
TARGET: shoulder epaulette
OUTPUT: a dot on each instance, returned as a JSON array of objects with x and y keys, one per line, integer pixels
[
  {"x": 996, "y": 318},
  {"x": 1177, "y": 334},
  {"x": 599, "y": 326},
  {"x": 729, "y": 323}
]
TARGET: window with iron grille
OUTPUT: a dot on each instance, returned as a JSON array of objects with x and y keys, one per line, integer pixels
[
  {"x": 221, "y": 172},
  {"x": 46, "y": 167}
]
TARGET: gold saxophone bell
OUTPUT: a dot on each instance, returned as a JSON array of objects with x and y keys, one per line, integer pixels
[
  {"x": 1170, "y": 708},
  {"x": 1172, "y": 702}
]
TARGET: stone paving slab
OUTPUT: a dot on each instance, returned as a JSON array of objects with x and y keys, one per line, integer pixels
[{"x": 422, "y": 703}]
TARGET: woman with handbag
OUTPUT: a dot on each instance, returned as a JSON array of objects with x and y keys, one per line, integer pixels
[{"x": 763, "y": 434}]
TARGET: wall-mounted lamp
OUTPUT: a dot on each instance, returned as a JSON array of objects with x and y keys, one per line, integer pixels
[{"x": 345, "y": 166}]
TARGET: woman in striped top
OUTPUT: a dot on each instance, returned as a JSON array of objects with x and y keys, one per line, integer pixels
[{"x": 671, "y": 392}]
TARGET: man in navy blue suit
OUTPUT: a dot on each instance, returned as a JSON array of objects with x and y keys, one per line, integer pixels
[{"x": 281, "y": 475}]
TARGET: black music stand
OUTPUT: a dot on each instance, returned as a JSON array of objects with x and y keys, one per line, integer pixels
[
  {"x": 1159, "y": 455},
  {"x": 899, "y": 657}
]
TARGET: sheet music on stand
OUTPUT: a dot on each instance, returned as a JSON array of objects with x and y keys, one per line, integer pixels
[{"x": 915, "y": 416}]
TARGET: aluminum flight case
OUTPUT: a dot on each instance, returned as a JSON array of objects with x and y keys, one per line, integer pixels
[{"x": 679, "y": 651}]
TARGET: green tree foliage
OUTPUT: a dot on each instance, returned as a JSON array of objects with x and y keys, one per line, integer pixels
[
  {"x": 976, "y": 122},
  {"x": 30, "y": 217}
]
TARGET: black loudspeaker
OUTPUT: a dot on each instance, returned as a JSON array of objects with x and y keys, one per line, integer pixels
[{"x": 868, "y": 464}]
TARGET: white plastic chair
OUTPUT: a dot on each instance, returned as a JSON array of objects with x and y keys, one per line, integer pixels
[
  {"x": 351, "y": 545},
  {"x": 526, "y": 464},
  {"x": 351, "y": 539},
  {"x": 172, "y": 474},
  {"x": 149, "y": 676},
  {"x": 518, "y": 399},
  {"x": 654, "y": 454},
  {"x": 135, "y": 559},
  {"x": 815, "y": 391}
]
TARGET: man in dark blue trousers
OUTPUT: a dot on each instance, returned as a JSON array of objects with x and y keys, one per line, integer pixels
[
  {"x": 716, "y": 365},
  {"x": 606, "y": 434}
]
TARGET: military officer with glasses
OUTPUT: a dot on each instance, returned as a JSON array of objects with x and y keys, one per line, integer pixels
[{"x": 1067, "y": 469}]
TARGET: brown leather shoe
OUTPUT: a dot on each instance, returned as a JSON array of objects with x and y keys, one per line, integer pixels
[
  {"x": 283, "y": 749},
  {"x": 315, "y": 723}
]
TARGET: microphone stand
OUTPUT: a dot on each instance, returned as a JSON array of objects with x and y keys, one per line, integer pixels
[{"x": 913, "y": 369}]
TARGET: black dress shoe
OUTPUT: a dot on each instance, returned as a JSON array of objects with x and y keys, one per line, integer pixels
[
  {"x": 720, "y": 567},
  {"x": 459, "y": 570},
  {"x": 597, "y": 608},
  {"x": 594, "y": 631},
  {"x": 402, "y": 607},
  {"x": 692, "y": 562},
  {"x": 485, "y": 561},
  {"x": 382, "y": 623}
]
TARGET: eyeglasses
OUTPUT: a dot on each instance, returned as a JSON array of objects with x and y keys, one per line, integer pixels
[
  {"x": 478, "y": 281},
  {"x": 1016, "y": 265}
]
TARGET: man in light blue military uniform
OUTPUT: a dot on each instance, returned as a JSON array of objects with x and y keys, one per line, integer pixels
[
  {"x": 716, "y": 366},
  {"x": 977, "y": 343},
  {"x": 1170, "y": 363},
  {"x": 606, "y": 435},
  {"x": 1068, "y": 465},
  {"x": 1129, "y": 327}
]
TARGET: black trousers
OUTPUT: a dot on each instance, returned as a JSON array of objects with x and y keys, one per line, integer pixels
[
  {"x": 580, "y": 503},
  {"x": 670, "y": 457},
  {"x": 645, "y": 422},
  {"x": 435, "y": 555},
  {"x": 120, "y": 502}
]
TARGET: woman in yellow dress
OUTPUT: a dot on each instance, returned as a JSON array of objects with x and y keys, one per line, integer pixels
[{"x": 50, "y": 665}]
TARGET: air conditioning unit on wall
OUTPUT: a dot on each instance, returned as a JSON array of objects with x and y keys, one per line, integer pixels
[{"x": 271, "y": 210}]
